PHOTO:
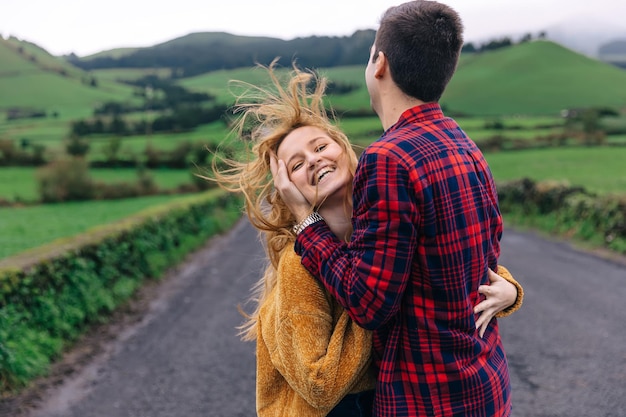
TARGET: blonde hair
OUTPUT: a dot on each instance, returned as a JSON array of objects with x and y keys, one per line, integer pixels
[{"x": 269, "y": 114}]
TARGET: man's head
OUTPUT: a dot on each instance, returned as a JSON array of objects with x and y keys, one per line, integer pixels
[{"x": 421, "y": 41}]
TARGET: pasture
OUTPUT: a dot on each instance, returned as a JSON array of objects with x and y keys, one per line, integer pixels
[
  {"x": 515, "y": 93},
  {"x": 19, "y": 184},
  {"x": 24, "y": 228},
  {"x": 597, "y": 169}
]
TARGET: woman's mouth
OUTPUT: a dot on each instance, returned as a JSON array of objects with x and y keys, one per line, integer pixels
[{"x": 321, "y": 174}]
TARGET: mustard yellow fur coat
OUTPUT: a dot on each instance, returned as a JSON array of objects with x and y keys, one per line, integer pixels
[{"x": 310, "y": 354}]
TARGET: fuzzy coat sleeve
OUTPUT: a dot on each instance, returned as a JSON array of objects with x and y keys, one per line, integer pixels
[
  {"x": 312, "y": 342},
  {"x": 506, "y": 274}
]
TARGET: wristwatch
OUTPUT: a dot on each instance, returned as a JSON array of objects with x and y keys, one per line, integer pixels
[{"x": 309, "y": 220}]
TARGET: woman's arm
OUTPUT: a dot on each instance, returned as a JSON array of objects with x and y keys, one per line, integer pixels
[{"x": 504, "y": 296}]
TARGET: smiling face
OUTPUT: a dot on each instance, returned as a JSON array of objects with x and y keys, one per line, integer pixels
[{"x": 316, "y": 164}]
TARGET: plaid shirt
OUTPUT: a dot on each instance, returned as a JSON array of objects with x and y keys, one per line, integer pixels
[{"x": 426, "y": 228}]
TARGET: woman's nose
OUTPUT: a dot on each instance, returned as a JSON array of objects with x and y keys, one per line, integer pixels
[{"x": 313, "y": 160}]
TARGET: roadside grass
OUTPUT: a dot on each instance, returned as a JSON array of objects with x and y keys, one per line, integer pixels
[{"x": 28, "y": 227}]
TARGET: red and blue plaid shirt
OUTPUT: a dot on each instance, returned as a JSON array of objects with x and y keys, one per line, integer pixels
[{"x": 426, "y": 229}]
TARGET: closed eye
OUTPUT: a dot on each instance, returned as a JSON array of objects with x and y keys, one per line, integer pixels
[{"x": 296, "y": 166}]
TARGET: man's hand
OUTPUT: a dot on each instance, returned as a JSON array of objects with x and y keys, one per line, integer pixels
[
  {"x": 500, "y": 294},
  {"x": 293, "y": 198}
]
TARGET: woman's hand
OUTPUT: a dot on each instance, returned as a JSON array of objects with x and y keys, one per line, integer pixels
[
  {"x": 500, "y": 294},
  {"x": 293, "y": 198}
]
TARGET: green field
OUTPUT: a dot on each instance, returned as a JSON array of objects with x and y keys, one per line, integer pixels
[
  {"x": 35, "y": 79},
  {"x": 598, "y": 169},
  {"x": 362, "y": 131},
  {"x": 537, "y": 78},
  {"x": 20, "y": 183},
  {"x": 29, "y": 227},
  {"x": 517, "y": 93},
  {"x": 533, "y": 79}
]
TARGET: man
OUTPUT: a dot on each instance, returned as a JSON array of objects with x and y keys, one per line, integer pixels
[{"x": 426, "y": 229}]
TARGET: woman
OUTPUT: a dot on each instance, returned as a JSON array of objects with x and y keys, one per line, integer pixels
[{"x": 312, "y": 360}]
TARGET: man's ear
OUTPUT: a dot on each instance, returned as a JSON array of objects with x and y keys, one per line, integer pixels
[{"x": 381, "y": 65}]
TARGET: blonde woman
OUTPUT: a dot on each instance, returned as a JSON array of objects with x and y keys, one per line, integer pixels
[{"x": 312, "y": 359}]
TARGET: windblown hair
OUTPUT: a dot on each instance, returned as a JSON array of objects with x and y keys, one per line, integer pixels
[
  {"x": 266, "y": 116},
  {"x": 422, "y": 41}
]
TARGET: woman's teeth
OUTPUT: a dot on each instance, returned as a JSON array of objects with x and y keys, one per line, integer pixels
[{"x": 322, "y": 174}]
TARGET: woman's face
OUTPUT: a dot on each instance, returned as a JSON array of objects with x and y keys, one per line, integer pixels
[{"x": 316, "y": 164}]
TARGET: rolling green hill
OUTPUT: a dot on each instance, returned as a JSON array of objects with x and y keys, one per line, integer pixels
[
  {"x": 197, "y": 53},
  {"x": 535, "y": 78},
  {"x": 538, "y": 77},
  {"x": 32, "y": 78}
]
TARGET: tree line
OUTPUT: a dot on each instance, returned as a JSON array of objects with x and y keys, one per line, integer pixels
[
  {"x": 179, "y": 110},
  {"x": 198, "y": 53}
]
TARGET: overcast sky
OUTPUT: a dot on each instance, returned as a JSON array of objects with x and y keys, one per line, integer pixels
[{"x": 86, "y": 27}]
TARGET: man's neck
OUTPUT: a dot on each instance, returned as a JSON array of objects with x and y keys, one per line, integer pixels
[{"x": 394, "y": 105}]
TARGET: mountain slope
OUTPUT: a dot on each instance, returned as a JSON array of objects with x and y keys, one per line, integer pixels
[
  {"x": 538, "y": 77},
  {"x": 532, "y": 78},
  {"x": 32, "y": 78},
  {"x": 198, "y": 53}
]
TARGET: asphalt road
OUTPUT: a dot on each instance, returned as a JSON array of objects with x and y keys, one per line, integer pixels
[{"x": 566, "y": 346}]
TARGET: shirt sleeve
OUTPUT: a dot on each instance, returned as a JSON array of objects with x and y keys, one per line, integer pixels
[{"x": 369, "y": 275}]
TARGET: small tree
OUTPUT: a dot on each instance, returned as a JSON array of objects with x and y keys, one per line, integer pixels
[
  {"x": 112, "y": 149},
  {"x": 76, "y": 146},
  {"x": 65, "y": 180}
]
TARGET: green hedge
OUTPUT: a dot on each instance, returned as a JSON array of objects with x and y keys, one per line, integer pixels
[
  {"x": 566, "y": 210},
  {"x": 50, "y": 295}
]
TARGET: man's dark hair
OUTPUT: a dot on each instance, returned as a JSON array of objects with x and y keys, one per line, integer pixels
[{"x": 422, "y": 41}]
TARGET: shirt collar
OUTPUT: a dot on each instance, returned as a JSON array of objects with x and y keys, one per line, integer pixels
[{"x": 420, "y": 113}]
